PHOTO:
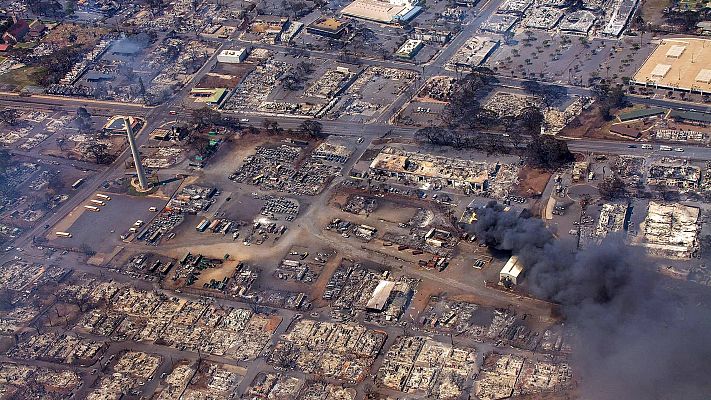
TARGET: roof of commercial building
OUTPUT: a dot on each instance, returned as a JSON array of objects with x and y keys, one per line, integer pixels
[
  {"x": 642, "y": 113},
  {"x": 229, "y": 52},
  {"x": 332, "y": 25},
  {"x": 380, "y": 296},
  {"x": 406, "y": 16},
  {"x": 19, "y": 29},
  {"x": 409, "y": 48},
  {"x": 377, "y": 10},
  {"x": 691, "y": 116},
  {"x": 160, "y": 134},
  {"x": 676, "y": 51},
  {"x": 660, "y": 70},
  {"x": 37, "y": 25},
  {"x": 513, "y": 267},
  {"x": 233, "y": 53},
  {"x": 676, "y": 63},
  {"x": 704, "y": 76},
  {"x": 211, "y": 95},
  {"x": 623, "y": 130}
]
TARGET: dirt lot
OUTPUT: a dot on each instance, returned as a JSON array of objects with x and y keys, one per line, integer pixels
[
  {"x": 590, "y": 124},
  {"x": 319, "y": 286},
  {"x": 25, "y": 76},
  {"x": 219, "y": 80},
  {"x": 85, "y": 36},
  {"x": 531, "y": 182},
  {"x": 652, "y": 11},
  {"x": 225, "y": 269}
]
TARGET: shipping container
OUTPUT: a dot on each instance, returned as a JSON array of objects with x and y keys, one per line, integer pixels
[
  {"x": 77, "y": 183},
  {"x": 214, "y": 225},
  {"x": 202, "y": 225}
]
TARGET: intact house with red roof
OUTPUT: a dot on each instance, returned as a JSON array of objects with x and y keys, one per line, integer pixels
[{"x": 17, "y": 32}]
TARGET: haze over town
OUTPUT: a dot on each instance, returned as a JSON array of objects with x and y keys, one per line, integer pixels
[{"x": 355, "y": 199}]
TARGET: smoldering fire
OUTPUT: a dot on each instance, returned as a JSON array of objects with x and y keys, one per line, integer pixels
[{"x": 635, "y": 339}]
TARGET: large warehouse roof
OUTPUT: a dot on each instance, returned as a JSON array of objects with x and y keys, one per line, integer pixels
[
  {"x": 380, "y": 11},
  {"x": 380, "y": 295},
  {"x": 512, "y": 270},
  {"x": 678, "y": 63}
]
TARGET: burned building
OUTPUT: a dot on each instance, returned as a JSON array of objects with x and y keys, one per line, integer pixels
[
  {"x": 671, "y": 229},
  {"x": 328, "y": 27},
  {"x": 612, "y": 219},
  {"x": 468, "y": 175},
  {"x": 512, "y": 272},
  {"x": 674, "y": 173}
]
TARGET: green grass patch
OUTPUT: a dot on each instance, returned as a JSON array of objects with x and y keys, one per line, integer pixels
[
  {"x": 21, "y": 77},
  {"x": 27, "y": 45}
]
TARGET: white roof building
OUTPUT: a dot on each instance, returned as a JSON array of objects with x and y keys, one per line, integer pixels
[
  {"x": 512, "y": 271},
  {"x": 382, "y": 11},
  {"x": 232, "y": 56},
  {"x": 380, "y": 296},
  {"x": 704, "y": 76},
  {"x": 660, "y": 70},
  {"x": 676, "y": 51},
  {"x": 410, "y": 48}
]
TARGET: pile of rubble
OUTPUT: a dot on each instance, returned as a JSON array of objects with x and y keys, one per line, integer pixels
[
  {"x": 360, "y": 205},
  {"x": 343, "y": 351},
  {"x": 422, "y": 365},
  {"x": 671, "y": 230},
  {"x": 278, "y": 168}
]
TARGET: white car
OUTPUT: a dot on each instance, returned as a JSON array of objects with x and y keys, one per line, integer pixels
[{"x": 679, "y": 149}]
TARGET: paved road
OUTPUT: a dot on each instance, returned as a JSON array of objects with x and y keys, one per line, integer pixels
[
  {"x": 350, "y": 128},
  {"x": 71, "y": 104},
  {"x": 610, "y": 147},
  {"x": 153, "y": 117},
  {"x": 156, "y": 116}
]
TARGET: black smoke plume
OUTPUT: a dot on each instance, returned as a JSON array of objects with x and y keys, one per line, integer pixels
[{"x": 635, "y": 337}]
